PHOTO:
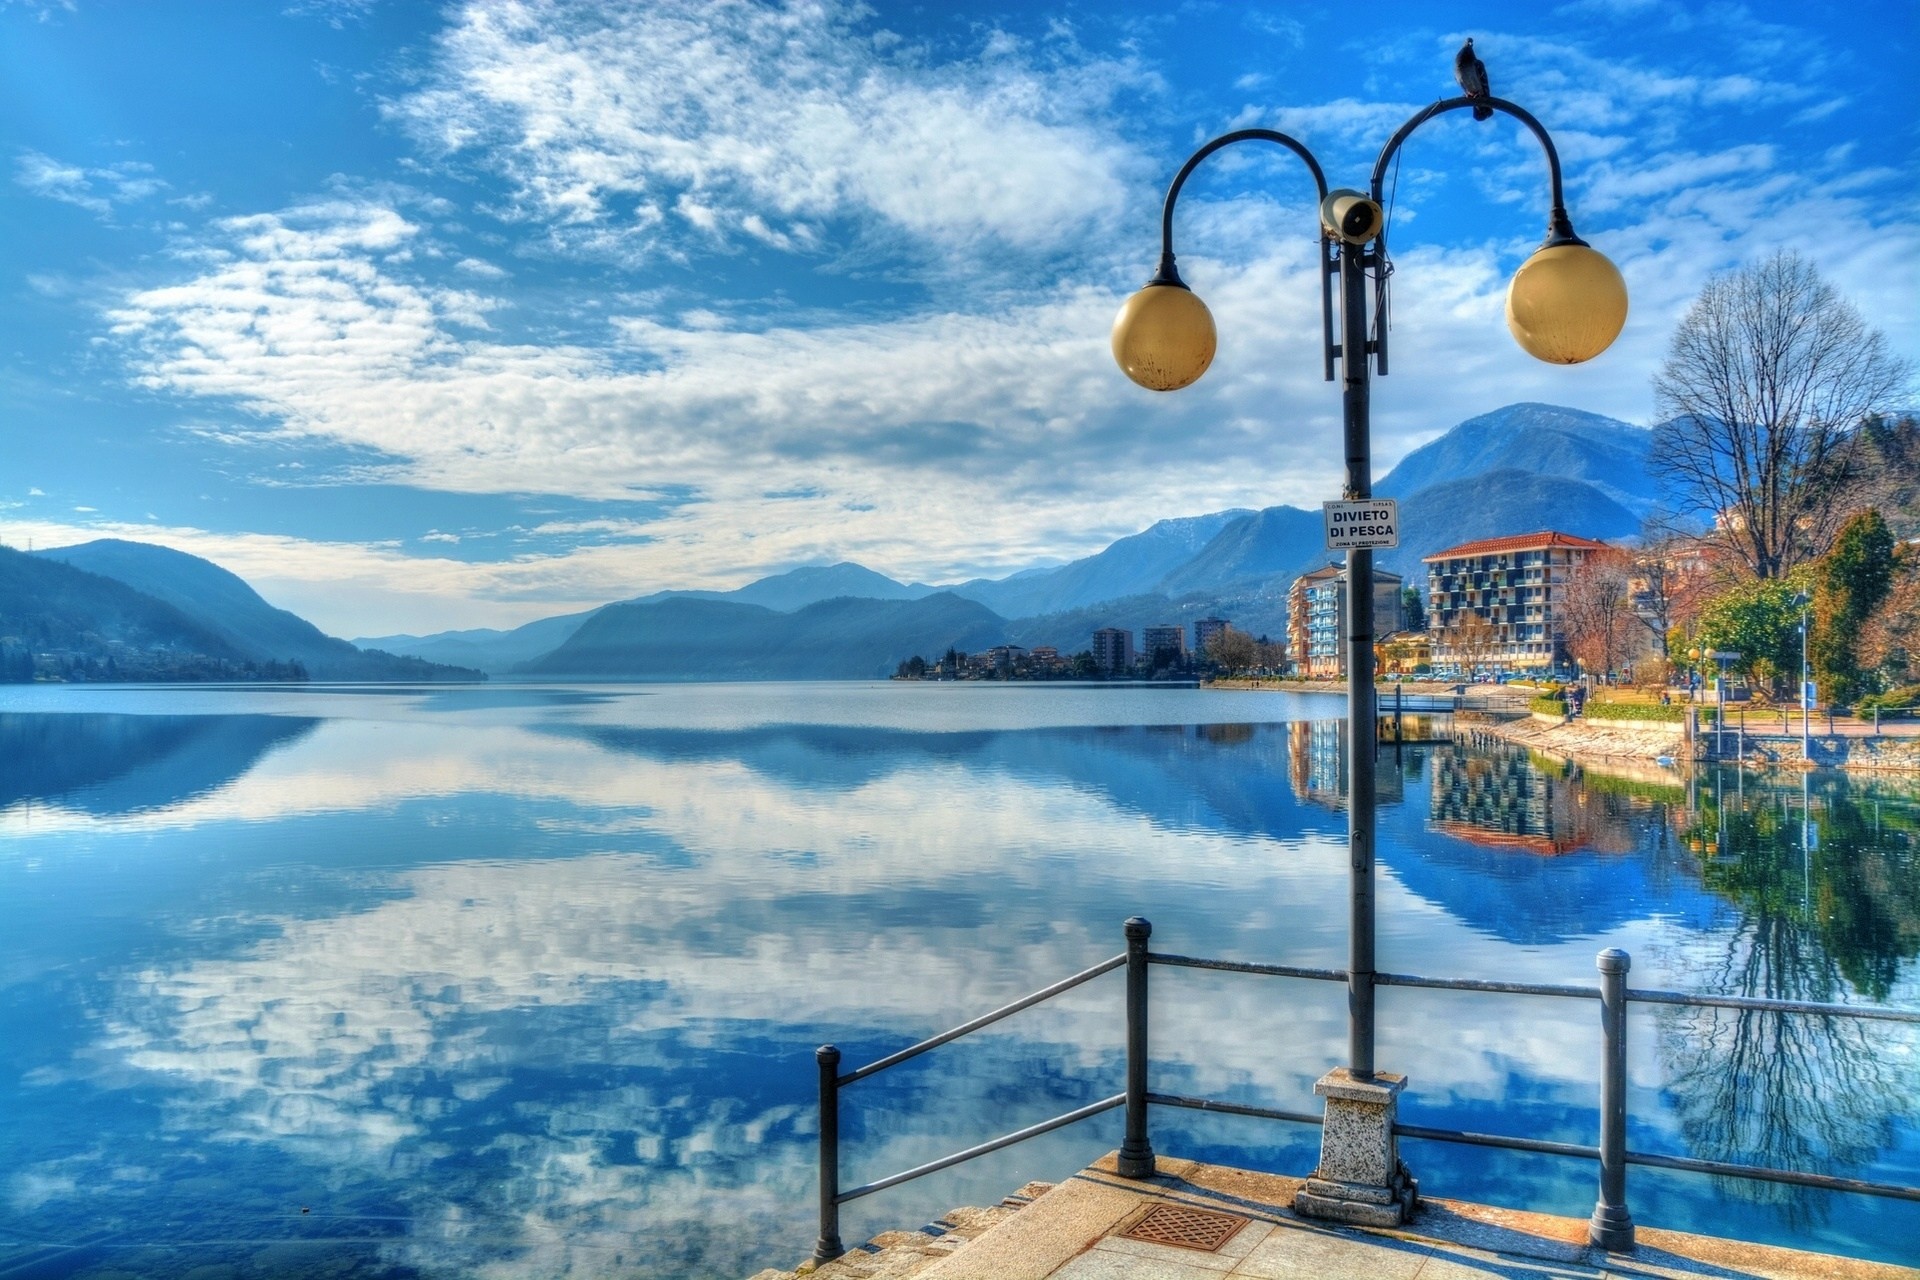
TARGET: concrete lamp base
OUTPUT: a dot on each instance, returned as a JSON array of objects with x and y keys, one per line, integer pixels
[{"x": 1360, "y": 1178}]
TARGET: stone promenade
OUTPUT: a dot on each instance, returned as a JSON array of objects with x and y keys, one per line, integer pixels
[{"x": 1207, "y": 1222}]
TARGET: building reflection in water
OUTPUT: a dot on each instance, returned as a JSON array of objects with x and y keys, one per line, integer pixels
[
  {"x": 1503, "y": 797},
  {"x": 1317, "y": 765}
]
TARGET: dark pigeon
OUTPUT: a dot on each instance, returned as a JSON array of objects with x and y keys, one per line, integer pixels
[{"x": 1472, "y": 75}]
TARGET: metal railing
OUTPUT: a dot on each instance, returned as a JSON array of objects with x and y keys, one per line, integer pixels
[{"x": 1611, "y": 1226}]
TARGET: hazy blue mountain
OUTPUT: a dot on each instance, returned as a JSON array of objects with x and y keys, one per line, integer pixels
[
  {"x": 798, "y": 588},
  {"x": 484, "y": 648},
  {"x": 224, "y": 605},
  {"x": 48, "y": 606},
  {"x": 683, "y": 638},
  {"x": 1544, "y": 439},
  {"x": 1278, "y": 540},
  {"x": 1497, "y": 503},
  {"x": 1130, "y": 566}
]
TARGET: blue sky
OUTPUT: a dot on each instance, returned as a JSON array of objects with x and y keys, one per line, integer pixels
[{"x": 427, "y": 316}]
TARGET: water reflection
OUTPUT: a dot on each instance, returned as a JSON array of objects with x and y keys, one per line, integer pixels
[
  {"x": 1822, "y": 883},
  {"x": 513, "y": 986},
  {"x": 108, "y": 764}
]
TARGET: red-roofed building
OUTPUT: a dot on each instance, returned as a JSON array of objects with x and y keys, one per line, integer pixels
[{"x": 1513, "y": 585}]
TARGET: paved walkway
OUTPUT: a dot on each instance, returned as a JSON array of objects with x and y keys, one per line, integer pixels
[{"x": 1091, "y": 1227}]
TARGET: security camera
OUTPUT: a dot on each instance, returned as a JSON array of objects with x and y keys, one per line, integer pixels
[{"x": 1351, "y": 216}]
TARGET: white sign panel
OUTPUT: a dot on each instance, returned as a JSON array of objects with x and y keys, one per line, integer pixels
[{"x": 1374, "y": 522}]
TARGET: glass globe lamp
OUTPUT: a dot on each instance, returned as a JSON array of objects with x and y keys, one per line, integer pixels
[
  {"x": 1163, "y": 337},
  {"x": 1567, "y": 303}
]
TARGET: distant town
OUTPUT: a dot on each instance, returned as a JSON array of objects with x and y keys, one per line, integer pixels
[{"x": 1544, "y": 605}]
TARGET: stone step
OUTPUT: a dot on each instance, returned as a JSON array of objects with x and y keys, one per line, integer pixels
[{"x": 894, "y": 1255}]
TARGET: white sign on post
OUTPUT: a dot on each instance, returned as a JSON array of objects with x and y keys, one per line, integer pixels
[{"x": 1372, "y": 522}]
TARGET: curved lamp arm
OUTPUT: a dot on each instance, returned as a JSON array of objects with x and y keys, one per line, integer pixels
[
  {"x": 1559, "y": 228},
  {"x": 1167, "y": 274}
]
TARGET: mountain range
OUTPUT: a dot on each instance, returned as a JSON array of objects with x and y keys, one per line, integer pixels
[
  {"x": 133, "y": 611},
  {"x": 1517, "y": 469},
  {"x": 1521, "y": 468}
]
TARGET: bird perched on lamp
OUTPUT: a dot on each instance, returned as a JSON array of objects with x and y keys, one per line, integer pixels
[{"x": 1472, "y": 75}]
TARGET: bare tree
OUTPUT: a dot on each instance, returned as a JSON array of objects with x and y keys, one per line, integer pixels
[
  {"x": 1671, "y": 581},
  {"x": 1767, "y": 381},
  {"x": 1233, "y": 649},
  {"x": 1473, "y": 641},
  {"x": 1596, "y": 609}
]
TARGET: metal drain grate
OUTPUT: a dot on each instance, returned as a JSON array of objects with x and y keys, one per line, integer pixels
[{"x": 1176, "y": 1224}]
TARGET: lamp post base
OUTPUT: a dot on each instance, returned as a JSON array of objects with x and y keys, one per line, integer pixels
[{"x": 1360, "y": 1179}]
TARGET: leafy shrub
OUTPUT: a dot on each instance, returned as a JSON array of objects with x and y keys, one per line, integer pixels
[
  {"x": 1893, "y": 702},
  {"x": 1635, "y": 711},
  {"x": 1548, "y": 706}
]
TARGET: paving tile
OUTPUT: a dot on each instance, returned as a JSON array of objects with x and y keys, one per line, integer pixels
[
  {"x": 1104, "y": 1264},
  {"x": 1452, "y": 1262},
  {"x": 1303, "y": 1253},
  {"x": 1213, "y": 1264}
]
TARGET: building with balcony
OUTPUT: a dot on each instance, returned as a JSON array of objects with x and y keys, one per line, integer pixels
[
  {"x": 1204, "y": 630},
  {"x": 1499, "y": 604},
  {"x": 1317, "y": 618},
  {"x": 1158, "y": 641},
  {"x": 1113, "y": 650}
]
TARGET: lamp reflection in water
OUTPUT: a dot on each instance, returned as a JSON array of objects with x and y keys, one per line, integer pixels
[{"x": 1566, "y": 305}]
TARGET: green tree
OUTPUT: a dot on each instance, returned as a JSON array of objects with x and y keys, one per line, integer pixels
[
  {"x": 1760, "y": 621},
  {"x": 1849, "y": 584},
  {"x": 1414, "y": 608}
]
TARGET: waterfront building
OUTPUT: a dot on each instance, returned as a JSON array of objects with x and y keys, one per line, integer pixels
[
  {"x": 1113, "y": 649},
  {"x": 1204, "y": 630},
  {"x": 1499, "y": 604},
  {"x": 1317, "y": 618},
  {"x": 1157, "y": 640},
  {"x": 1003, "y": 658},
  {"x": 1403, "y": 653}
]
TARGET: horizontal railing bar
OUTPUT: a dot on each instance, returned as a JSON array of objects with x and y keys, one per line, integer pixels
[
  {"x": 1476, "y": 984},
  {"x": 985, "y": 1019},
  {"x": 1239, "y": 966},
  {"x": 1233, "y": 1108},
  {"x": 985, "y": 1148},
  {"x": 1824, "y": 1181},
  {"x": 1776, "y": 1006},
  {"x": 1545, "y": 989},
  {"x": 1496, "y": 1140}
]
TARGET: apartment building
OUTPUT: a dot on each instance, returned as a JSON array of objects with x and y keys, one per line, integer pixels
[
  {"x": 1317, "y": 618},
  {"x": 1113, "y": 649},
  {"x": 1204, "y": 630},
  {"x": 1491, "y": 604},
  {"x": 1154, "y": 640}
]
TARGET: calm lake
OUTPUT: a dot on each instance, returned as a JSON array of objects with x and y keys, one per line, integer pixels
[{"x": 525, "y": 981}]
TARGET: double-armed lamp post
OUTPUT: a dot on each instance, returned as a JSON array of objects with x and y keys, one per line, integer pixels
[{"x": 1566, "y": 305}]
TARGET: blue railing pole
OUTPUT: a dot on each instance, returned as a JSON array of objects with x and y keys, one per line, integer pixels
[
  {"x": 1611, "y": 1227},
  {"x": 828, "y": 1246},
  {"x": 1136, "y": 1152}
]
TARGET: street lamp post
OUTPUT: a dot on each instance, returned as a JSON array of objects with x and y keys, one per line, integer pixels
[
  {"x": 1566, "y": 304},
  {"x": 1806, "y": 703}
]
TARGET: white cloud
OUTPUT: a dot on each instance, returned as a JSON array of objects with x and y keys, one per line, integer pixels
[
  {"x": 95, "y": 190},
  {"x": 619, "y": 125}
]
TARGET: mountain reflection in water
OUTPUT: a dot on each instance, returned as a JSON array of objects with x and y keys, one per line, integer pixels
[{"x": 530, "y": 984}]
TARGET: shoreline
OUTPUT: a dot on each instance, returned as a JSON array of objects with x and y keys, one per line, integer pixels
[{"x": 1613, "y": 743}]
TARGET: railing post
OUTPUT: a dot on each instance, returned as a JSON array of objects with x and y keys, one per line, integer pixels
[
  {"x": 1136, "y": 1152},
  {"x": 1611, "y": 1227},
  {"x": 828, "y": 1246}
]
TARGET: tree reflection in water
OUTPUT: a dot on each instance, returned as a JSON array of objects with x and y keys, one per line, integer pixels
[{"x": 1824, "y": 881}]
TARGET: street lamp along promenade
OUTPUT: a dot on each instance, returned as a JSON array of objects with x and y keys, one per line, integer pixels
[{"x": 1566, "y": 305}]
